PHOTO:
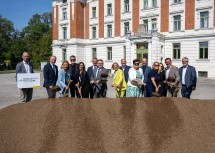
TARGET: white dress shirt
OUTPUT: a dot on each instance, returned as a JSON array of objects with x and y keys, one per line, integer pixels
[
  {"x": 27, "y": 67},
  {"x": 167, "y": 72},
  {"x": 184, "y": 70}
]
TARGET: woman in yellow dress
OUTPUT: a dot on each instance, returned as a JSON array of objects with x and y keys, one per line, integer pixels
[{"x": 118, "y": 81}]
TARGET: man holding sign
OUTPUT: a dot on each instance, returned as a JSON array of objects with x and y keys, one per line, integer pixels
[{"x": 25, "y": 67}]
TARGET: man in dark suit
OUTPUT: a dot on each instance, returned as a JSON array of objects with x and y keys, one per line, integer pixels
[
  {"x": 73, "y": 68},
  {"x": 146, "y": 69},
  {"x": 172, "y": 77},
  {"x": 50, "y": 73},
  {"x": 188, "y": 78},
  {"x": 125, "y": 68},
  {"x": 100, "y": 86},
  {"x": 25, "y": 67},
  {"x": 90, "y": 73}
]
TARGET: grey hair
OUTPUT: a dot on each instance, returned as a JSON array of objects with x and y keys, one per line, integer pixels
[{"x": 185, "y": 58}]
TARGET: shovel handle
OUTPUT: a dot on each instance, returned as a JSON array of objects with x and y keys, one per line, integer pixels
[{"x": 68, "y": 86}]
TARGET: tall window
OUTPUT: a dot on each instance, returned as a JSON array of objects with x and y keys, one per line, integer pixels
[
  {"x": 93, "y": 32},
  {"x": 93, "y": 12},
  {"x": 177, "y": 22},
  {"x": 145, "y": 24},
  {"x": 64, "y": 55},
  {"x": 203, "y": 50},
  {"x": 109, "y": 53},
  {"x": 109, "y": 9},
  {"x": 154, "y": 3},
  {"x": 64, "y": 32},
  {"x": 126, "y": 5},
  {"x": 94, "y": 53},
  {"x": 176, "y": 51},
  {"x": 64, "y": 1},
  {"x": 204, "y": 19},
  {"x": 126, "y": 27},
  {"x": 109, "y": 30},
  {"x": 154, "y": 24},
  {"x": 177, "y": 1},
  {"x": 145, "y": 4},
  {"x": 64, "y": 14}
]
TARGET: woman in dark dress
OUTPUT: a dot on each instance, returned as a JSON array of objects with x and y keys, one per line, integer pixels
[
  {"x": 153, "y": 82},
  {"x": 83, "y": 83},
  {"x": 162, "y": 89}
]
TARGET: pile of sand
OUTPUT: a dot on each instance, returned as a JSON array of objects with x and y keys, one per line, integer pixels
[{"x": 153, "y": 125}]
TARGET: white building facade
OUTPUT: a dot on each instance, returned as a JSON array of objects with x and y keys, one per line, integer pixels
[{"x": 116, "y": 29}]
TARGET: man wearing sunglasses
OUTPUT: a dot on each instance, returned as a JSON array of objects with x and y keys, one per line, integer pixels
[{"x": 73, "y": 69}]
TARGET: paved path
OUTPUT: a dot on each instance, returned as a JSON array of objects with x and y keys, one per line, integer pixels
[{"x": 9, "y": 94}]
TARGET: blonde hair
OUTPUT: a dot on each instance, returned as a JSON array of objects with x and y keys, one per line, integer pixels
[
  {"x": 113, "y": 65},
  {"x": 153, "y": 67},
  {"x": 65, "y": 61}
]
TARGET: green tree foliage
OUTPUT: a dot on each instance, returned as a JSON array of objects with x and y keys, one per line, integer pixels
[{"x": 35, "y": 38}]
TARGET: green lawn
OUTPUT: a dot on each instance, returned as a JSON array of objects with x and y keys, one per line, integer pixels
[{"x": 14, "y": 71}]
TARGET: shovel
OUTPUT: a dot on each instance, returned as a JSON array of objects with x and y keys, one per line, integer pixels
[{"x": 66, "y": 94}]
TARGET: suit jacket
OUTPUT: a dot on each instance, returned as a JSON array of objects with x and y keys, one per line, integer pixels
[
  {"x": 61, "y": 80},
  {"x": 83, "y": 79},
  {"x": 100, "y": 87},
  {"x": 119, "y": 79},
  {"x": 74, "y": 76},
  {"x": 90, "y": 71},
  {"x": 190, "y": 76},
  {"x": 125, "y": 72},
  {"x": 50, "y": 76},
  {"x": 20, "y": 68},
  {"x": 174, "y": 73},
  {"x": 146, "y": 73}
]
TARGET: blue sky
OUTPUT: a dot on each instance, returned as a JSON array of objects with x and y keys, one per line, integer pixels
[{"x": 19, "y": 12}]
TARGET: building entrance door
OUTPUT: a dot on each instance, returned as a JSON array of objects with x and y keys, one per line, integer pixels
[{"x": 142, "y": 51}]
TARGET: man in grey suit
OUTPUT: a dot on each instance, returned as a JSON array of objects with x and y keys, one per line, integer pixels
[
  {"x": 172, "y": 77},
  {"x": 25, "y": 67},
  {"x": 188, "y": 78},
  {"x": 98, "y": 81}
]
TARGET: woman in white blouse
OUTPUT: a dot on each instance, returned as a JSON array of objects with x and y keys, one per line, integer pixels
[{"x": 135, "y": 80}]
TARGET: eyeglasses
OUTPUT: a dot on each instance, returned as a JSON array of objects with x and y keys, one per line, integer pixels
[
  {"x": 72, "y": 59},
  {"x": 136, "y": 64}
]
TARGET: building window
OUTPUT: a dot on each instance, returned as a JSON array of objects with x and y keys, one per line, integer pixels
[
  {"x": 145, "y": 24},
  {"x": 203, "y": 50},
  {"x": 126, "y": 5},
  {"x": 94, "y": 53},
  {"x": 64, "y": 1},
  {"x": 204, "y": 19},
  {"x": 93, "y": 12},
  {"x": 177, "y": 1},
  {"x": 94, "y": 32},
  {"x": 126, "y": 27},
  {"x": 124, "y": 52},
  {"x": 109, "y": 9},
  {"x": 64, "y": 14},
  {"x": 154, "y": 3},
  {"x": 177, "y": 22},
  {"x": 64, "y": 32},
  {"x": 109, "y": 30},
  {"x": 109, "y": 53},
  {"x": 176, "y": 51},
  {"x": 64, "y": 55},
  {"x": 203, "y": 74},
  {"x": 145, "y": 4},
  {"x": 154, "y": 24}
]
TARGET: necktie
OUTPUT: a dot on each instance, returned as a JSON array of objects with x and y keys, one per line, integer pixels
[
  {"x": 53, "y": 68},
  {"x": 97, "y": 72}
]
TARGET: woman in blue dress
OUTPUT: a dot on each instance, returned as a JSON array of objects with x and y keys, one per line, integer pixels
[{"x": 153, "y": 82}]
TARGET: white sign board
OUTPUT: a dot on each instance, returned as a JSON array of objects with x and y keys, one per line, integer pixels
[{"x": 28, "y": 80}]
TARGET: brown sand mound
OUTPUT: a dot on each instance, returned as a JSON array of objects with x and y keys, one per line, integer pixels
[{"x": 153, "y": 125}]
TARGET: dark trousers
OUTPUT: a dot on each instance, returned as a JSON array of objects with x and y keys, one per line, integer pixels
[
  {"x": 73, "y": 90},
  {"x": 26, "y": 94},
  {"x": 186, "y": 92},
  {"x": 91, "y": 91},
  {"x": 51, "y": 93}
]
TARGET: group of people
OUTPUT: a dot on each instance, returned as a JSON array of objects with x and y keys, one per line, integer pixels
[{"x": 136, "y": 81}]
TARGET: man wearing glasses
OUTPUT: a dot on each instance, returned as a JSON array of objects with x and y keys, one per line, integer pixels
[
  {"x": 99, "y": 80},
  {"x": 188, "y": 78},
  {"x": 73, "y": 69}
]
